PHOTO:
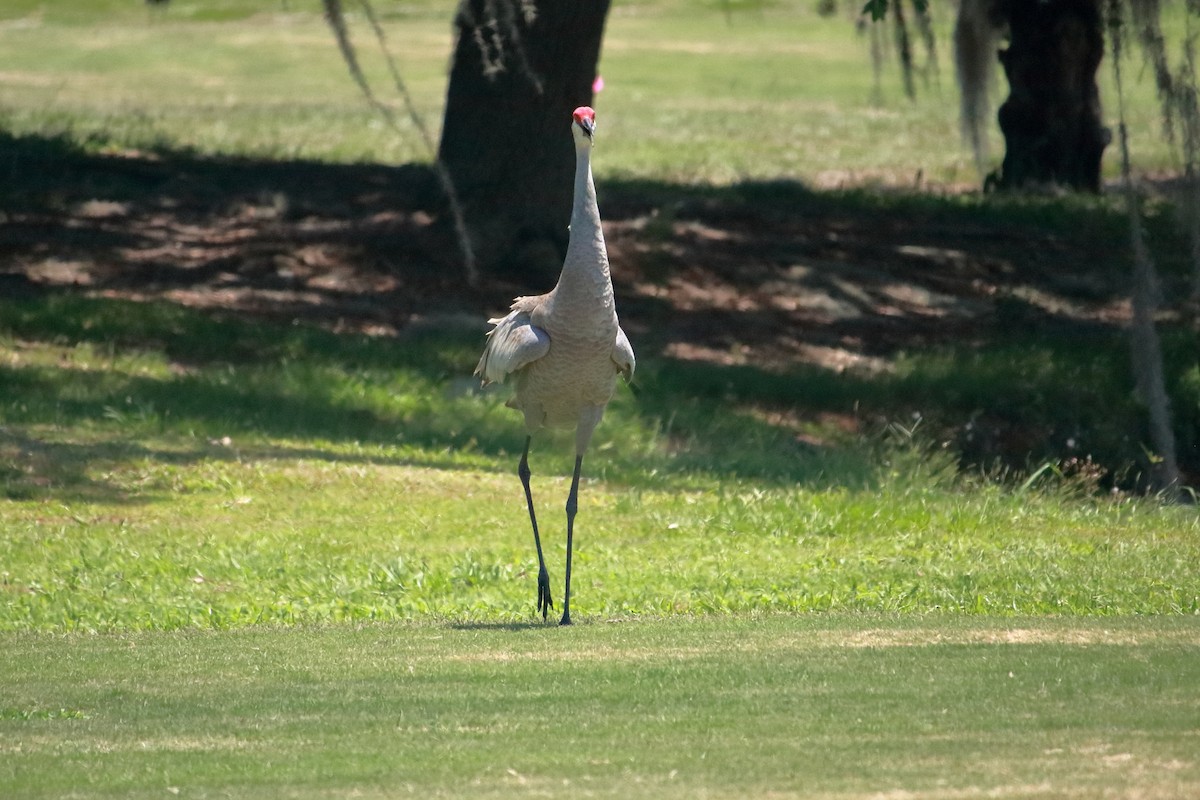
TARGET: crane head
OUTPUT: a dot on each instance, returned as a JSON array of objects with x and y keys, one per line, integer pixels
[{"x": 585, "y": 120}]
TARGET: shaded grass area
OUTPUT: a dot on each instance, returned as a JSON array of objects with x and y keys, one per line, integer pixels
[
  {"x": 829, "y": 706},
  {"x": 138, "y": 368},
  {"x": 1016, "y": 371}
]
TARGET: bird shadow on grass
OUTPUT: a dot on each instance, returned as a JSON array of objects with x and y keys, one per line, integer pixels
[{"x": 511, "y": 627}]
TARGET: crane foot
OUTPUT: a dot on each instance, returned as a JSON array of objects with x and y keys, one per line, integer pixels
[
  {"x": 566, "y": 619},
  {"x": 544, "y": 602}
]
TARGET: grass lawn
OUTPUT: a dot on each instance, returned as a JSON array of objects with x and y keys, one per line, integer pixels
[
  {"x": 307, "y": 573},
  {"x": 262, "y": 536},
  {"x": 681, "y": 80},
  {"x": 167, "y": 469},
  {"x": 805, "y": 707}
]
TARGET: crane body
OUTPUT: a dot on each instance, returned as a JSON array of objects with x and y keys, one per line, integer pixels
[{"x": 564, "y": 349}]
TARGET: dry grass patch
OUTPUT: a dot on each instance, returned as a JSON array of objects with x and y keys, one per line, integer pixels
[{"x": 1072, "y": 636}]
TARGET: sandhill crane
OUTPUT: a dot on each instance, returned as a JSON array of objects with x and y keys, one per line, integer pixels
[{"x": 565, "y": 349}]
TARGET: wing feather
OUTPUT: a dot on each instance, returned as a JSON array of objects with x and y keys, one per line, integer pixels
[
  {"x": 513, "y": 343},
  {"x": 622, "y": 355}
]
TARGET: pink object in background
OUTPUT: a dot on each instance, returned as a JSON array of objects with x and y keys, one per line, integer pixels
[{"x": 598, "y": 84}]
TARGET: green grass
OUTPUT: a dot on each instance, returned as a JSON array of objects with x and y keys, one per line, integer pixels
[
  {"x": 308, "y": 541},
  {"x": 170, "y": 470},
  {"x": 789, "y": 707},
  {"x": 246, "y": 559},
  {"x": 681, "y": 82}
]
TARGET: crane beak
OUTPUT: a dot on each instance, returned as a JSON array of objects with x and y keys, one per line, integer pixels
[{"x": 588, "y": 127}]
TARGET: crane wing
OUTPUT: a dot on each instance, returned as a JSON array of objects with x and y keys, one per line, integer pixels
[
  {"x": 622, "y": 355},
  {"x": 513, "y": 343}
]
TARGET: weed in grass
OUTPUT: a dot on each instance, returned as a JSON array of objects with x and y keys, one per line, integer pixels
[{"x": 27, "y": 714}]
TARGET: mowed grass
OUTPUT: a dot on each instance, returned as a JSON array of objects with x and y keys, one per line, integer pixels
[
  {"x": 682, "y": 79},
  {"x": 790, "y": 707}
]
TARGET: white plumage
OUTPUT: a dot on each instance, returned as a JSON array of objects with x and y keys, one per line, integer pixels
[{"x": 564, "y": 348}]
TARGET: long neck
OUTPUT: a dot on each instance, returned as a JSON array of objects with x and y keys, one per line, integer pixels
[{"x": 585, "y": 268}]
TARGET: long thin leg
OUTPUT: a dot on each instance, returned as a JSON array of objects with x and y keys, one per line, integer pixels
[
  {"x": 572, "y": 507},
  {"x": 544, "y": 603}
]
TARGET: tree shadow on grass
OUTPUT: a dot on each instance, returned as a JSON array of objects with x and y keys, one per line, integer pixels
[
  {"x": 251, "y": 411},
  {"x": 754, "y": 308},
  {"x": 207, "y": 381},
  {"x": 277, "y": 239},
  {"x": 768, "y": 266},
  {"x": 385, "y": 401}
]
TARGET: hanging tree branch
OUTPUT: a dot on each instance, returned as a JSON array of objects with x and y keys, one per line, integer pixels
[
  {"x": 1147, "y": 349},
  {"x": 877, "y": 10},
  {"x": 904, "y": 50},
  {"x": 337, "y": 21},
  {"x": 1179, "y": 99},
  {"x": 976, "y": 41}
]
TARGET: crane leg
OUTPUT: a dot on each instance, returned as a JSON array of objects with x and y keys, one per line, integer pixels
[
  {"x": 544, "y": 603},
  {"x": 572, "y": 507}
]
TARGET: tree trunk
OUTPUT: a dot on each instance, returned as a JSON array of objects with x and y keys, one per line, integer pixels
[
  {"x": 519, "y": 70},
  {"x": 1051, "y": 119}
]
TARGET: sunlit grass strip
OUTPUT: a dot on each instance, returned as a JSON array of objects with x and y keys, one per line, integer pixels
[
  {"x": 261, "y": 535},
  {"x": 681, "y": 83},
  {"x": 846, "y": 706}
]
